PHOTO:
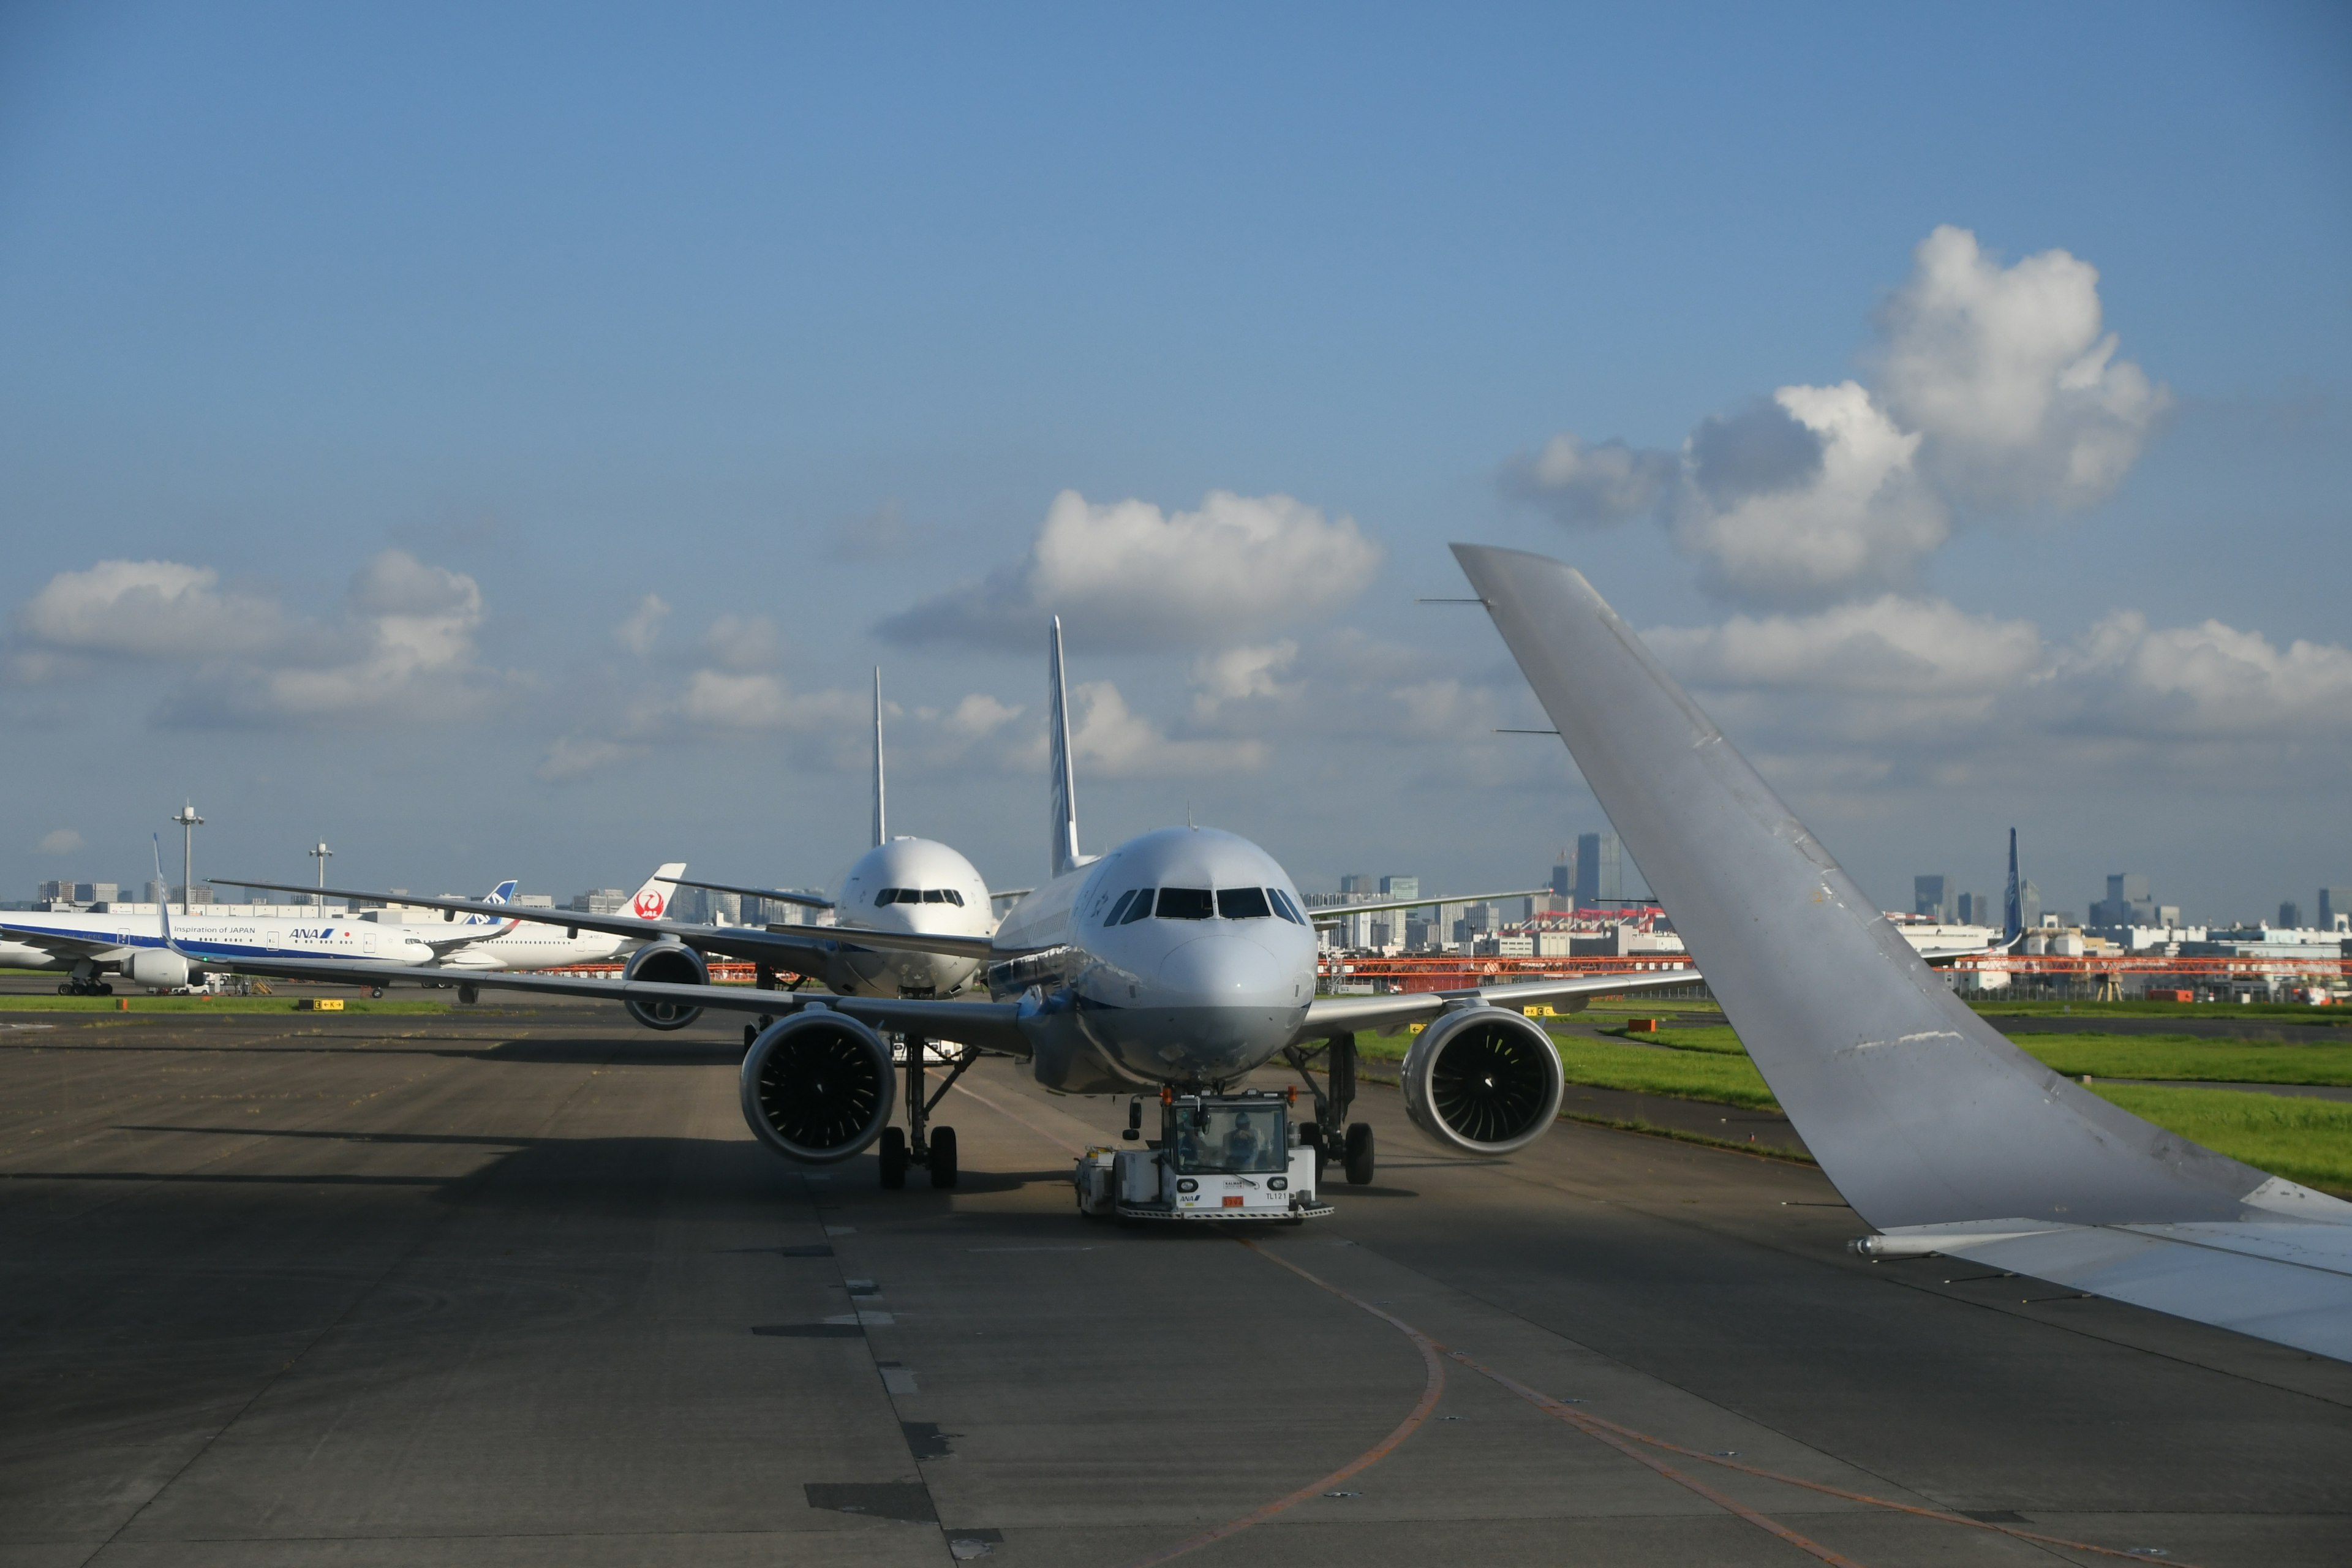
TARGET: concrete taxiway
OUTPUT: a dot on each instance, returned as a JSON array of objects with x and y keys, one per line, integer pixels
[{"x": 515, "y": 1285}]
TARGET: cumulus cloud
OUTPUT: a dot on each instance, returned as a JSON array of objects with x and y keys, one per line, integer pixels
[
  {"x": 639, "y": 632},
  {"x": 403, "y": 647},
  {"x": 148, "y": 609},
  {"x": 1994, "y": 388},
  {"x": 2207, "y": 682},
  {"x": 742, "y": 642},
  {"x": 2008, "y": 375},
  {"x": 1598, "y": 484},
  {"x": 1109, "y": 739},
  {"x": 1891, "y": 644},
  {"x": 1240, "y": 674},
  {"x": 1127, "y": 575},
  {"x": 58, "y": 841}
]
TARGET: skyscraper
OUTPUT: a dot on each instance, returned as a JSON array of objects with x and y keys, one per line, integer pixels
[
  {"x": 2290, "y": 916},
  {"x": 1928, "y": 898},
  {"x": 1599, "y": 876},
  {"x": 2335, "y": 904}
]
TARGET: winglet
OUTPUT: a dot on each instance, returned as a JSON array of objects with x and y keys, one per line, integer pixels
[
  {"x": 881, "y": 819},
  {"x": 1917, "y": 1110},
  {"x": 1065, "y": 810}
]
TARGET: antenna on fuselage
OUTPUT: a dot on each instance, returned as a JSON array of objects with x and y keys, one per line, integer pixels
[
  {"x": 1064, "y": 803},
  {"x": 881, "y": 820}
]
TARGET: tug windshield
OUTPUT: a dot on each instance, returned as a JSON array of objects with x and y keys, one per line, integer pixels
[{"x": 1230, "y": 1138}]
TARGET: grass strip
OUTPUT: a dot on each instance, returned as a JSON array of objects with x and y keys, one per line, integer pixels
[
  {"x": 2299, "y": 1012},
  {"x": 1717, "y": 1077},
  {"x": 2190, "y": 1059},
  {"x": 219, "y": 1005},
  {"x": 2306, "y": 1141}
]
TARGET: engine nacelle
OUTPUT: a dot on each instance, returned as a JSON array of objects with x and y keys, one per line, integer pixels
[
  {"x": 665, "y": 963},
  {"x": 818, "y": 1086},
  {"x": 1483, "y": 1080},
  {"x": 158, "y": 969}
]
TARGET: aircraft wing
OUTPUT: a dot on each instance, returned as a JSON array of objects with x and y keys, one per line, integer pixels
[
  {"x": 991, "y": 1025},
  {"x": 1329, "y": 1015},
  {"x": 1931, "y": 1124},
  {"x": 784, "y": 947},
  {"x": 64, "y": 945}
]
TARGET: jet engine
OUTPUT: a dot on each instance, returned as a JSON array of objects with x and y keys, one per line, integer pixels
[
  {"x": 818, "y": 1086},
  {"x": 158, "y": 969},
  {"x": 1483, "y": 1080},
  {"x": 667, "y": 964}
]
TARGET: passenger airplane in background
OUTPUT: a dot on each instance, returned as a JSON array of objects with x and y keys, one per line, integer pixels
[
  {"x": 1183, "y": 959},
  {"x": 535, "y": 944},
  {"x": 93, "y": 946}
]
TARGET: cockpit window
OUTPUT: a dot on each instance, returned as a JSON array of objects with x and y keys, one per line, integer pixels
[
  {"x": 1186, "y": 904},
  {"x": 887, "y": 896},
  {"x": 1140, "y": 908},
  {"x": 935, "y": 895},
  {"x": 1243, "y": 904},
  {"x": 1119, "y": 908},
  {"x": 1285, "y": 908}
]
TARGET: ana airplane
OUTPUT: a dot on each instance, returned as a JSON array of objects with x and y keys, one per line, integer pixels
[
  {"x": 1177, "y": 963},
  {"x": 94, "y": 945}
]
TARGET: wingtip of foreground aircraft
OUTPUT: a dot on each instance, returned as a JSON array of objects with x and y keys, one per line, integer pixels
[{"x": 1939, "y": 1132}]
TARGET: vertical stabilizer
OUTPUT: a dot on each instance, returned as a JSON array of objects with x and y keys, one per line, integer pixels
[
  {"x": 881, "y": 817},
  {"x": 1057, "y": 739},
  {"x": 2012, "y": 909}
]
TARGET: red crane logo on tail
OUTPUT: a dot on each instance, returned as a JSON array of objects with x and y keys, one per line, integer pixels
[{"x": 648, "y": 905}]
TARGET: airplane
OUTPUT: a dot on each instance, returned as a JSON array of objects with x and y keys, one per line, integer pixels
[
  {"x": 536, "y": 944},
  {"x": 1944, "y": 1137},
  {"x": 1177, "y": 964},
  {"x": 924, "y": 913},
  {"x": 91, "y": 946}
]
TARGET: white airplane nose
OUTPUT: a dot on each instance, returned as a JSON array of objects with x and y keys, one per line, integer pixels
[{"x": 1221, "y": 970}]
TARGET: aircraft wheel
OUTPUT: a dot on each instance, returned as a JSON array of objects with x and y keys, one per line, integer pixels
[
  {"x": 894, "y": 1157},
  {"x": 377, "y": 990},
  {"x": 751, "y": 1035},
  {"x": 106, "y": 990},
  {"x": 944, "y": 1157},
  {"x": 1360, "y": 1154}
]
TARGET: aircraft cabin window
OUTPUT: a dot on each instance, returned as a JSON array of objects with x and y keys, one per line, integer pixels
[
  {"x": 1119, "y": 908},
  {"x": 1243, "y": 904},
  {"x": 1140, "y": 908},
  {"x": 1186, "y": 904}
]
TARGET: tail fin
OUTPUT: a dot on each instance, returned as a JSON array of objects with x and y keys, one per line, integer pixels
[
  {"x": 652, "y": 901},
  {"x": 502, "y": 892},
  {"x": 1064, "y": 807},
  {"x": 881, "y": 819}
]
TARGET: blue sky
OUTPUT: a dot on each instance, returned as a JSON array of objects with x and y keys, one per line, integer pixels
[{"x": 808, "y": 317}]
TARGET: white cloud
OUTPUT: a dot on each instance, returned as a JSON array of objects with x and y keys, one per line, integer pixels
[
  {"x": 150, "y": 609},
  {"x": 401, "y": 648},
  {"x": 979, "y": 715},
  {"x": 2208, "y": 682},
  {"x": 1240, "y": 674},
  {"x": 1994, "y": 388},
  {"x": 58, "y": 841},
  {"x": 638, "y": 633},
  {"x": 2007, "y": 373},
  {"x": 742, "y": 643},
  {"x": 576, "y": 756},
  {"x": 1108, "y": 739},
  {"x": 724, "y": 699},
  {"x": 1888, "y": 645},
  {"x": 1128, "y": 575}
]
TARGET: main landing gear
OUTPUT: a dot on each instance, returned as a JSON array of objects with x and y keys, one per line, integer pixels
[
  {"x": 918, "y": 1143},
  {"x": 84, "y": 988},
  {"x": 1352, "y": 1148}
]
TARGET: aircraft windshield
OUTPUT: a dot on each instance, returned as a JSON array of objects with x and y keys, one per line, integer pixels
[
  {"x": 1230, "y": 1138},
  {"x": 1243, "y": 904},
  {"x": 1186, "y": 904}
]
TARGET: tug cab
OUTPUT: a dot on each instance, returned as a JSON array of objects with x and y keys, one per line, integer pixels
[{"x": 1218, "y": 1157}]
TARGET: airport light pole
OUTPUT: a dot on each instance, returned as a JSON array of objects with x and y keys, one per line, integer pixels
[
  {"x": 319, "y": 854},
  {"x": 189, "y": 822}
]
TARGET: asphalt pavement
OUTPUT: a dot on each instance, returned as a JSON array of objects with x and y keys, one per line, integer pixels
[{"x": 515, "y": 1286}]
